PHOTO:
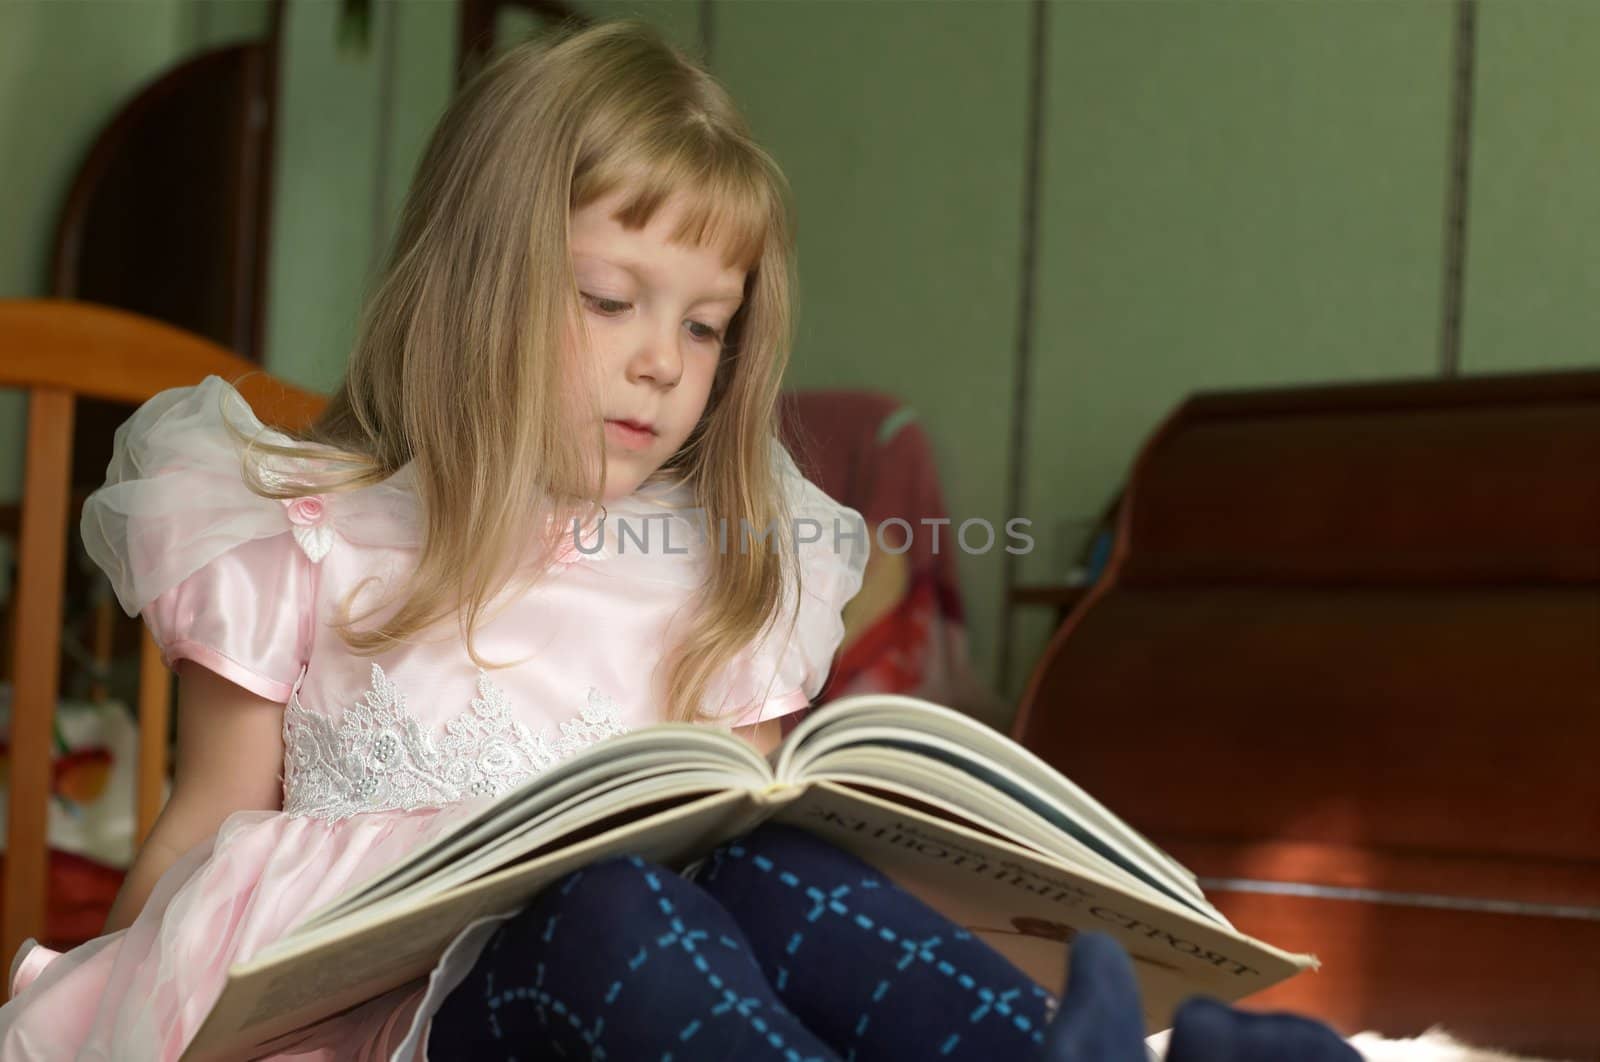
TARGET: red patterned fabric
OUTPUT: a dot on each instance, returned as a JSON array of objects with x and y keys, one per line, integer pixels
[
  {"x": 78, "y": 895},
  {"x": 868, "y": 451}
]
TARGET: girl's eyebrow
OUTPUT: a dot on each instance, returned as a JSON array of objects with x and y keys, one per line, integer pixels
[{"x": 640, "y": 274}]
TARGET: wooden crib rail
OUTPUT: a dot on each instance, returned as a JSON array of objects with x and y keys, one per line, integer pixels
[{"x": 57, "y": 351}]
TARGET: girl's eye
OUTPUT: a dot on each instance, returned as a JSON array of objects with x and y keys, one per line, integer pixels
[
  {"x": 705, "y": 333},
  {"x": 606, "y": 307}
]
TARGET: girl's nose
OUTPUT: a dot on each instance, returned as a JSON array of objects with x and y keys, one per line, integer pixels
[{"x": 657, "y": 358}]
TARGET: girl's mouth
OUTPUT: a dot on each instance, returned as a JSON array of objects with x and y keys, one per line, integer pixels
[{"x": 629, "y": 434}]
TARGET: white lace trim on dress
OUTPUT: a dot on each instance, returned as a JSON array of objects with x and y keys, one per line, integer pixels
[{"x": 378, "y": 757}]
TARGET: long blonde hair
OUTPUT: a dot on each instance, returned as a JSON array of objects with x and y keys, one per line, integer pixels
[{"x": 462, "y": 368}]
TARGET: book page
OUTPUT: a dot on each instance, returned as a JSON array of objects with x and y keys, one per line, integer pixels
[
  {"x": 661, "y": 751},
  {"x": 1029, "y": 907},
  {"x": 993, "y": 760},
  {"x": 480, "y": 850},
  {"x": 918, "y": 779},
  {"x": 555, "y": 833}
]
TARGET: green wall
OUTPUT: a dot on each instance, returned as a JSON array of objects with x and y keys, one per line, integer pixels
[
  {"x": 1533, "y": 276},
  {"x": 1233, "y": 193},
  {"x": 329, "y": 191},
  {"x": 85, "y": 58}
]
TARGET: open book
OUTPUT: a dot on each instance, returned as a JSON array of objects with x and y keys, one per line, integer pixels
[{"x": 969, "y": 821}]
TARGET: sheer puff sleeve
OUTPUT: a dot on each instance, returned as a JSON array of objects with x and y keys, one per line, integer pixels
[
  {"x": 222, "y": 575},
  {"x": 784, "y": 670}
]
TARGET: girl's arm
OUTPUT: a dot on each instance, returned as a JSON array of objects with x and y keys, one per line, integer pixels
[
  {"x": 763, "y": 737},
  {"x": 230, "y": 753}
]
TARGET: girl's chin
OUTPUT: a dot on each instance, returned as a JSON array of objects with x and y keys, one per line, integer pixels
[
  {"x": 620, "y": 482},
  {"x": 624, "y": 474}
]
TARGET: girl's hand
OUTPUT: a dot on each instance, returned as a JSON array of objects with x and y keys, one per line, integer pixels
[{"x": 230, "y": 753}]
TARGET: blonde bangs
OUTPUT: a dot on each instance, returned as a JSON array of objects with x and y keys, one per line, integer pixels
[{"x": 725, "y": 192}]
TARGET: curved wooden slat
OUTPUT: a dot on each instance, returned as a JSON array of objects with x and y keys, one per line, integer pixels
[{"x": 221, "y": 103}]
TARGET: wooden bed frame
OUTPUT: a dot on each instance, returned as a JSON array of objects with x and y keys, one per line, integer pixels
[
  {"x": 1345, "y": 664},
  {"x": 59, "y": 351}
]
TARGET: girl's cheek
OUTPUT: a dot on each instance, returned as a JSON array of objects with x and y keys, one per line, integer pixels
[{"x": 580, "y": 368}]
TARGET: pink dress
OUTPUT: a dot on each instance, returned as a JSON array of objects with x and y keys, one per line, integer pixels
[{"x": 385, "y": 753}]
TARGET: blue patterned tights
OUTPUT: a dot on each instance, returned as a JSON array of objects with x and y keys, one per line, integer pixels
[{"x": 786, "y": 949}]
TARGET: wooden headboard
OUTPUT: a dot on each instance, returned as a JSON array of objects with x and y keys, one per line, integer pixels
[{"x": 1345, "y": 664}]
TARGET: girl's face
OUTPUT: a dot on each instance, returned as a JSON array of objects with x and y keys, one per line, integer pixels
[{"x": 655, "y": 314}]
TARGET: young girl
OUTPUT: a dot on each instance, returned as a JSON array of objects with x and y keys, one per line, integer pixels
[{"x": 502, "y": 543}]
